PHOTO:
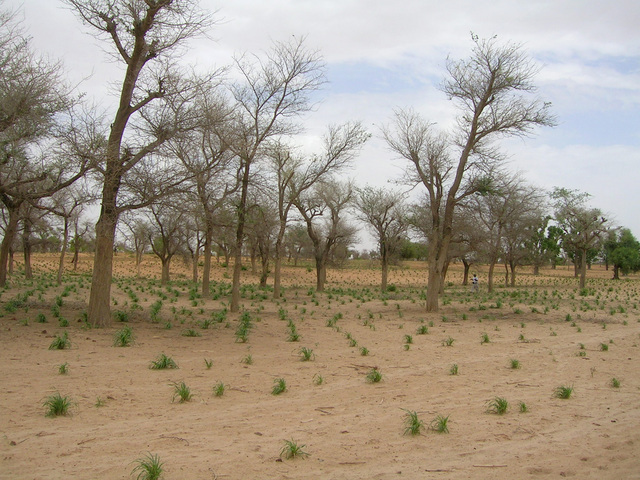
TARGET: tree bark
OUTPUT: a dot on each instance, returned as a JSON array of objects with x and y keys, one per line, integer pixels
[
  {"x": 237, "y": 267},
  {"x": 26, "y": 249},
  {"x": 9, "y": 235},
  {"x": 166, "y": 264},
  {"x": 583, "y": 269},
  {"x": 467, "y": 266},
  {"x": 321, "y": 272},
  {"x": 492, "y": 265},
  {"x": 63, "y": 251},
  {"x": 206, "y": 269},
  {"x": 99, "y": 311},
  {"x": 196, "y": 259},
  {"x": 385, "y": 272}
]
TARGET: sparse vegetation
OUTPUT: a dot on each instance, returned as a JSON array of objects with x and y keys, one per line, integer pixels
[
  {"x": 563, "y": 391},
  {"x": 440, "y": 424},
  {"x": 148, "y": 468},
  {"x": 163, "y": 362},
  {"x": 498, "y": 405},
  {"x": 291, "y": 450},
  {"x": 56, "y": 405},
  {"x": 279, "y": 386},
  {"x": 413, "y": 425}
]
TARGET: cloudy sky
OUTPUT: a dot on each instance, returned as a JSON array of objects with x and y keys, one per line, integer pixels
[{"x": 382, "y": 55}]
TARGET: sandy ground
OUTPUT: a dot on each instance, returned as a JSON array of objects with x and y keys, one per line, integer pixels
[{"x": 350, "y": 428}]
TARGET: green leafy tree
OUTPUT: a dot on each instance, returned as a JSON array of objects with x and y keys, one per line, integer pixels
[{"x": 623, "y": 252}]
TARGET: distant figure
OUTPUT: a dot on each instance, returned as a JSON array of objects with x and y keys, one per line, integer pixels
[{"x": 474, "y": 282}]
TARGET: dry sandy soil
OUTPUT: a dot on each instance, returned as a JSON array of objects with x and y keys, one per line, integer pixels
[{"x": 350, "y": 428}]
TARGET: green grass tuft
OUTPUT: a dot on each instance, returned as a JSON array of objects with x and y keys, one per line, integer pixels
[
  {"x": 60, "y": 342},
  {"x": 563, "y": 391},
  {"x": 291, "y": 449},
  {"x": 56, "y": 405},
  {"x": 163, "y": 362},
  {"x": 148, "y": 468},
  {"x": 413, "y": 425},
  {"x": 498, "y": 405}
]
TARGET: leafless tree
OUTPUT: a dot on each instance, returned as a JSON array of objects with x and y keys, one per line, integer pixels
[
  {"x": 136, "y": 231},
  {"x": 38, "y": 128},
  {"x": 383, "y": 211},
  {"x": 295, "y": 174},
  {"x": 67, "y": 205},
  {"x": 274, "y": 91},
  {"x": 166, "y": 232},
  {"x": 491, "y": 91},
  {"x": 155, "y": 103},
  {"x": 505, "y": 214},
  {"x": 212, "y": 166},
  {"x": 323, "y": 210}
]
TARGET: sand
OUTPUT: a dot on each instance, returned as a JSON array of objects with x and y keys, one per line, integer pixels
[{"x": 350, "y": 428}]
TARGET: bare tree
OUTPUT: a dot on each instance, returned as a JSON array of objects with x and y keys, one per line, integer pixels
[
  {"x": 274, "y": 91},
  {"x": 383, "y": 212},
  {"x": 67, "y": 204},
  {"x": 213, "y": 169},
  {"x": 505, "y": 213},
  {"x": 38, "y": 128},
  {"x": 294, "y": 175},
  {"x": 166, "y": 232},
  {"x": 322, "y": 210},
  {"x": 490, "y": 90},
  {"x": 154, "y": 104},
  {"x": 136, "y": 231}
]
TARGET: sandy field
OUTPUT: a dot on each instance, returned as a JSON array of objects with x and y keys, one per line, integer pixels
[{"x": 351, "y": 428}]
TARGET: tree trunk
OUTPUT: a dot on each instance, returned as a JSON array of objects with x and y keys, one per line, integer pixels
[
  {"x": 264, "y": 261},
  {"x": 321, "y": 272},
  {"x": 616, "y": 273},
  {"x": 9, "y": 235},
  {"x": 506, "y": 274},
  {"x": 76, "y": 250},
  {"x": 492, "y": 265},
  {"x": 10, "y": 261},
  {"x": 63, "y": 251},
  {"x": 237, "y": 267},
  {"x": 385, "y": 273},
  {"x": 26, "y": 250},
  {"x": 195, "y": 258},
  {"x": 139, "y": 254},
  {"x": 206, "y": 269},
  {"x": 278, "y": 261},
  {"x": 99, "y": 311},
  {"x": 277, "y": 289},
  {"x": 536, "y": 269},
  {"x": 467, "y": 266},
  {"x": 583, "y": 269},
  {"x": 252, "y": 258},
  {"x": 513, "y": 274},
  {"x": 166, "y": 264},
  {"x": 443, "y": 279}
]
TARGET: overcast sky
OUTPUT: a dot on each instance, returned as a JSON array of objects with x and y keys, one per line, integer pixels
[{"x": 381, "y": 55}]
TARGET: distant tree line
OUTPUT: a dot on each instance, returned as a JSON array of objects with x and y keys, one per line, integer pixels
[{"x": 204, "y": 166}]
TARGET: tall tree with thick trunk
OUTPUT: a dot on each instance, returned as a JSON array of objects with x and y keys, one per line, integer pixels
[
  {"x": 491, "y": 91},
  {"x": 145, "y": 36}
]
